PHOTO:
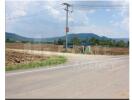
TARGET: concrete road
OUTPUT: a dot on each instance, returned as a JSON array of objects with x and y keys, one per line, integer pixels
[{"x": 81, "y": 77}]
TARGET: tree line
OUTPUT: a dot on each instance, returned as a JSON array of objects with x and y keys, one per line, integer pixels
[
  {"x": 77, "y": 41},
  {"x": 93, "y": 41}
]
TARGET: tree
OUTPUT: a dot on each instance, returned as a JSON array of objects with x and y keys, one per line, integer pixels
[
  {"x": 109, "y": 42},
  {"x": 10, "y": 41},
  {"x": 113, "y": 43},
  {"x": 24, "y": 41},
  {"x": 55, "y": 42},
  {"x": 94, "y": 41},
  {"x": 75, "y": 41},
  {"x": 60, "y": 41},
  {"x": 128, "y": 44},
  {"x": 121, "y": 43},
  {"x": 7, "y": 40}
]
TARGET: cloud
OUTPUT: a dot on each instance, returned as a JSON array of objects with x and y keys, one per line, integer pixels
[
  {"x": 91, "y": 11},
  {"x": 108, "y": 10},
  {"x": 52, "y": 9},
  {"x": 99, "y": 30},
  {"x": 51, "y": 20},
  {"x": 123, "y": 13},
  {"x": 92, "y": 29},
  {"x": 122, "y": 23},
  {"x": 16, "y": 9},
  {"x": 56, "y": 9},
  {"x": 125, "y": 23}
]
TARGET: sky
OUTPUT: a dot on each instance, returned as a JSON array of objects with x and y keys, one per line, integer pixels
[{"x": 46, "y": 18}]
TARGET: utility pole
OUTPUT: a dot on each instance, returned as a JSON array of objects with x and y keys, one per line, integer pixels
[{"x": 67, "y": 28}]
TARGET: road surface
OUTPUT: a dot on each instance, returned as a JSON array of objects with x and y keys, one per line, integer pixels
[{"x": 91, "y": 76}]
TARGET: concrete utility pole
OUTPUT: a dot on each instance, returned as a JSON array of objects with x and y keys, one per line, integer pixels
[{"x": 67, "y": 28}]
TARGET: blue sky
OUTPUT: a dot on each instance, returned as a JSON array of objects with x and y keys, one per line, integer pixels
[{"x": 34, "y": 18}]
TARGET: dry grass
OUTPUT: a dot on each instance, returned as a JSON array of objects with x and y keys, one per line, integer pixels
[{"x": 76, "y": 49}]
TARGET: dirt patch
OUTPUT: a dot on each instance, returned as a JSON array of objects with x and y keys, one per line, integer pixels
[{"x": 13, "y": 57}]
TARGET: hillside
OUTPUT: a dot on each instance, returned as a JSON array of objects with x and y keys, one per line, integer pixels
[{"x": 15, "y": 37}]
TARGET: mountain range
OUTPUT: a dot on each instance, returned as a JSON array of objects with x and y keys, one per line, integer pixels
[{"x": 15, "y": 37}]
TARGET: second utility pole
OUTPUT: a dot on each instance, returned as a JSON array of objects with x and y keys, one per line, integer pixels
[{"x": 67, "y": 28}]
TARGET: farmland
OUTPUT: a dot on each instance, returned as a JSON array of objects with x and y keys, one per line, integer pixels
[
  {"x": 18, "y": 60},
  {"x": 76, "y": 49}
]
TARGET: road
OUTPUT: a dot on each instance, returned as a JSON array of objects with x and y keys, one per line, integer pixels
[{"x": 91, "y": 76}]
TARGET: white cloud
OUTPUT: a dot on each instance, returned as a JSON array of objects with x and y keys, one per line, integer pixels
[
  {"x": 123, "y": 12},
  {"x": 57, "y": 11},
  {"x": 93, "y": 29},
  {"x": 54, "y": 9},
  {"x": 91, "y": 11},
  {"x": 16, "y": 9},
  {"x": 99, "y": 30},
  {"x": 108, "y": 10},
  {"x": 79, "y": 20},
  {"x": 123, "y": 6},
  {"x": 51, "y": 7},
  {"x": 124, "y": 23}
]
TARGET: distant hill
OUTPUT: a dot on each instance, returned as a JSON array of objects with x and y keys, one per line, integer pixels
[
  {"x": 15, "y": 37},
  {"x": 124, "y": 39},
  {"x": 86, "y": 36}
]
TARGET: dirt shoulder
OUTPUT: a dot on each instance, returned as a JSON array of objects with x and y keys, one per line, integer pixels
[
  {"x": 22, "y": 60},
  {"x": 14, "y": 57}
]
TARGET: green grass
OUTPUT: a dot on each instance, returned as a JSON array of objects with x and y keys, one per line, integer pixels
[{"x": 35, "y": 64}]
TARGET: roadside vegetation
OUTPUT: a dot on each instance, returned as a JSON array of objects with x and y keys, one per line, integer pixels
[{"x": 34, "y": 63}]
